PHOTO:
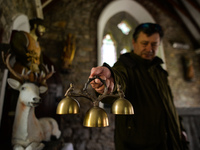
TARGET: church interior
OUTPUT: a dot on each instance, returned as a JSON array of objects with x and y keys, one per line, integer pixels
[{"x": 75, "y": 41}]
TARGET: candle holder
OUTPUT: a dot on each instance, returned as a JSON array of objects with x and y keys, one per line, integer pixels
[{"x": 95, "y": 116}]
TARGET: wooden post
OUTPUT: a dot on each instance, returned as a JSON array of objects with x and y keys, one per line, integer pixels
[{"x": 39, "y": 9}]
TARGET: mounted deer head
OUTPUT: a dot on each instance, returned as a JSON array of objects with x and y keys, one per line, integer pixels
[{"x": 26, "y": 76}]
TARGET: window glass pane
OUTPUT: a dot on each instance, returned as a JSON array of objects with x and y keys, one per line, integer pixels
[
  {"x": 108, "y": 51},
  {"x": 123, "y": 51},
  {"x": 124, "y": 27}
]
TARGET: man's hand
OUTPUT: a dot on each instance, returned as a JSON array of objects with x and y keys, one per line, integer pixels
[{"x": 105, "y": 74}]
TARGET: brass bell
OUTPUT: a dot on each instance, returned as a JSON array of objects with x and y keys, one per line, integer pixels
[
  {"x": 122, "y": 107},
  {"x": 68, "y": 105},
  {"x": 96, "y": 117}
]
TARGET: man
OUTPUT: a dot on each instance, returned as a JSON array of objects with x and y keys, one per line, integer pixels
[{"x": 155, "y": 124}]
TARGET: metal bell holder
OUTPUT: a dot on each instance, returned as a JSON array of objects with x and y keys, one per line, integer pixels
[{"x": 95, "y": 116}]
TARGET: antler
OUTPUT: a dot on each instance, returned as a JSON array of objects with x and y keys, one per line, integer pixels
[
  {"x": 44, "y": 76},
  {"x": 20, "y": 77},
  {"x": 25, "y": 76}
]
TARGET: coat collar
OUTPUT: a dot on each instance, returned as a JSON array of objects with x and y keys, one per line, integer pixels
[{"x": 148, "y": 63}]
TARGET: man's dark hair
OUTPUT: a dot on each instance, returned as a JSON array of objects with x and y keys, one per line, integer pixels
[
  {"x": 148, "y": 29},
  {"x": 37, "y": 21}
]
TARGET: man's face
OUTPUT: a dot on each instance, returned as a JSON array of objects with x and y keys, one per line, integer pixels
[
  {"x": 40, "y": 30},
  {"x": 146, "y": 47}
]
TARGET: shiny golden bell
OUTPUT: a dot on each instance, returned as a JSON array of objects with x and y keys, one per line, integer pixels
[
  {"x": 68, "y": 105},
  {"x": 96, "y": 117},
  {"x": 122, "y": 107}
]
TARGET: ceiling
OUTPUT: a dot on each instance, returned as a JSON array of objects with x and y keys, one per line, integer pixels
[{"x": 187, "y": 12}]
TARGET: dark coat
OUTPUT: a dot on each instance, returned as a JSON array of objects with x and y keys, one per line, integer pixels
[{"x": 155, "y": 124}]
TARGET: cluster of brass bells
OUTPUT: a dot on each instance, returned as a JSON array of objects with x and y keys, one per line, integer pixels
[{"x": 95, "y": 116}]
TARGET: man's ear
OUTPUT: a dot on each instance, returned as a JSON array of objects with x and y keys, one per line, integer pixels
[{"x": 133, "y": 42}]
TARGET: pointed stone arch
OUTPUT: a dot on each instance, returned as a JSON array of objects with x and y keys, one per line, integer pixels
[{"x": 133, "y": 8}]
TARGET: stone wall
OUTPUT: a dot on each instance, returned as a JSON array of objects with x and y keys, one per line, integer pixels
[{"x": 80, "y": 19}]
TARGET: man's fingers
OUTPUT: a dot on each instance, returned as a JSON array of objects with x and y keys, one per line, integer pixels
[
  {"x": 111, "y": 87},
  {"x": 95, "y": 71},
  {"x": 105, "y": 74},
  {"x": 97, "y": 81},
  {"x": 96, "y": 85},
  {"x": 100, "y": 89}
]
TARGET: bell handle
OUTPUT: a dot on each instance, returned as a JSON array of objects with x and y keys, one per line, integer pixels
[{"x": 91, "y": 79}]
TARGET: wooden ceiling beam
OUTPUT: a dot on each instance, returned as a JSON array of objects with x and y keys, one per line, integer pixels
[
  {"x": 170, "y": 9},
  {"x": 46, "y": 3},
  {"x": 195, "y": 4},
  {"x": 189, "y": 16},
  {"x": 166, "y": 7},
  {"x": 39, "y": 9}
]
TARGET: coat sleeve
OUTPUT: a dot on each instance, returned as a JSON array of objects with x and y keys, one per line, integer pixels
[{"x": 120, "y": 76}]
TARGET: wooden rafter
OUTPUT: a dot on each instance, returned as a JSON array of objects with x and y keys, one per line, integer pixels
[
  {"x": 188, "y": 15},
  {"x": 181, "y": 7},
  {"x": 195, "y": 4},
  {"x": 170, "y": 9},
  {"x": 39, "y": 9},
  {"x": 40, "y": 5},
  {"x": 46, "y": 3}
]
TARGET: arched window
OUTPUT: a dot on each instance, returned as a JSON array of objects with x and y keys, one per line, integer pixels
[
  {"x": 108, "y": 50},
  {"x": 133, "y": 8}
]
